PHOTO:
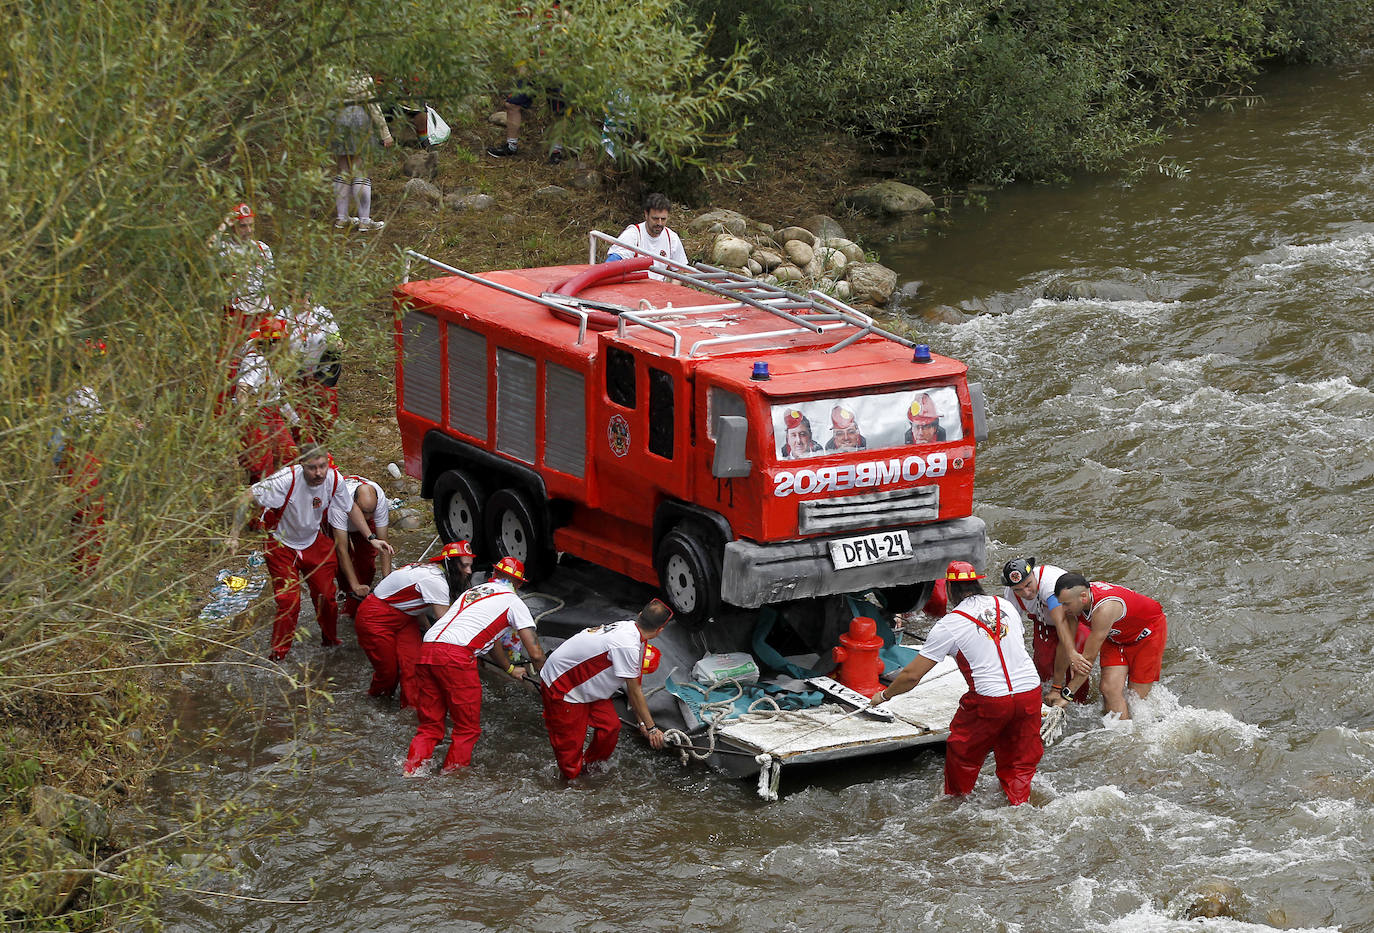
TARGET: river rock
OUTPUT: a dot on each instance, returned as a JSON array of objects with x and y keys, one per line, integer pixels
[
  {"x": 730, "y": 251},
  {"x": 823, "y": 225},
  {"x": 767, "y": 258},
  {"x": 424, "y": 164},
  {"x": 57, "y": 872},
  {"x": 1067, "y": 290},
  {"x": 852, "y": 251},
  {"x": 890, "y": 199},
  {"x": 585, "y": 178},
  {"x": 755, "y": 267},
  {"x": 795, "y": 233},
  {"x": 871, "y": 281},
  {"x": 798, "y": 253},
  {"x": 720, "y": 221},
  {"x": 786, "y": 273},
  {"x": 833, "y": 260},
  {"x": 814, "y": 268},
  {"x": 843, "y": 290},
  {"x": 498, "y": 118},
  {"x": 80, "y": 818},
  {"x": 421, "y": 193},
  {"x": 407, "y": 520},
  {"x": 552, "y": 193},
  {"x": 1216, "y": 898},
  {"x": 469, "y": 202}
]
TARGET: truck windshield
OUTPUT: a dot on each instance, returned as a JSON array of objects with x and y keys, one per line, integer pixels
[{"x": 816, "y": 427}]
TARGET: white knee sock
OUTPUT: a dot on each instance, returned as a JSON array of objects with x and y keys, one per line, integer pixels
[
  {"x": 341, "y": 195},
  {"x": 362, "y": 190}
]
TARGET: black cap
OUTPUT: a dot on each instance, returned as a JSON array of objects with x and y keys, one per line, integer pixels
[{"x": 1017, "y": 570}]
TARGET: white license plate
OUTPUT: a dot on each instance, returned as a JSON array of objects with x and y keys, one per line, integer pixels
[{"x": 870, "y": 549}]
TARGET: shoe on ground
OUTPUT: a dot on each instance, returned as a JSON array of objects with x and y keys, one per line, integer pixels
[
  {"x": 503, "y": 151},
  {"x": 370, "y": 224},
  {"x": 343, "y": 223},
  {"x": 556, "y": 157}
]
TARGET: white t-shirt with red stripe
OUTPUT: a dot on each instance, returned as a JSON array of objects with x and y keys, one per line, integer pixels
[
  {"x": 479, "y": 617},
  {"x": 381, "y": 516},
  {"x": 594, "y": 663},
  {"x": 414, "y": 588},
  {"x": 1037, "y": 608},
  {"x": 955, "y": 633},
  {"x": 303, "y": 506}
]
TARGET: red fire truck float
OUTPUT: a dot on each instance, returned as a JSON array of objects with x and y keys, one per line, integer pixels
[{"x": 729, "y": 441}]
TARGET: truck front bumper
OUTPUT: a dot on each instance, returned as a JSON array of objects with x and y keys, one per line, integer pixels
[{"x": 754, "y": 575}]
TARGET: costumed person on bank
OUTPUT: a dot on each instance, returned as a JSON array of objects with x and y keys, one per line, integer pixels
[
  {"x": 584, "y": 672},
  {"x": 447, "y": 681},
  {"x": 1001, "y": 711},
  {"x": 392, "y": 619}
]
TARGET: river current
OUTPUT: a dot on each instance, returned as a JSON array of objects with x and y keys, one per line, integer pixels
[{"x": 1178, "y": 377}]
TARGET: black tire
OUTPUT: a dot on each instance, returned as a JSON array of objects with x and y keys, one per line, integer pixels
[
  {"x": 689, "y": 576},
  {"x": 458, "y": 502},
  {"x": 906, "y": 597},
  {"x": 514, "y": 529}
]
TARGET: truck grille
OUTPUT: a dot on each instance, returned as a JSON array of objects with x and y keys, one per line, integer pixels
[{"x": 870, "y": 510}]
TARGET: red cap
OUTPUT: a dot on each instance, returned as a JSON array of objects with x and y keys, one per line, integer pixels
[
  {"x": 793, "y": 418},
  {"x": 961, "y": 571},
  {"x": 510, "y": 567},
  {"x": 841, "y": 417},
  {"x": 453, "y": 549},
  {"x": 922, "y": 410},
  {"x": 243, "y": 211}
]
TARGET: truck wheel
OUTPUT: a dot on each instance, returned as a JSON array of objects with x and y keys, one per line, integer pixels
[
  {"x": 906, "y": 597},
  {"x": 690, "y": 578},
  {"x": 514, "y": 530},
  {"x": 458, "y": 509}
]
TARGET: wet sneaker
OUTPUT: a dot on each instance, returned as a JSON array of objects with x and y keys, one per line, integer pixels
[
  {"x": 343, "y": 223},
  {"x": 556, "y": 157},
  {"x": 503, "y": 151},
  {"x": 370, "y": 224}
]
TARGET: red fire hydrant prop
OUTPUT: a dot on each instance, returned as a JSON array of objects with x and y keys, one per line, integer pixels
[{"x": 857, "y": 655}]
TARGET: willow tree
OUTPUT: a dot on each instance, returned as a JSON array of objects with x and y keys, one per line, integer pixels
[{"x": 130, "y": 129}]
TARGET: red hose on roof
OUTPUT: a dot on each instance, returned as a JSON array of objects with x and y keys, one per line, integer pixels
[{"x": 607, "y": 273}]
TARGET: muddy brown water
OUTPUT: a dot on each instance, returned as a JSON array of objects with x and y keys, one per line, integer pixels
[{"x": 1178, "y": 376}]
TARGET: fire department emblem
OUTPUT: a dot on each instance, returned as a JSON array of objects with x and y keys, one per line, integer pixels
[
  {"x": 315, "y": 502},
  {"x": 618, "y": 435}
]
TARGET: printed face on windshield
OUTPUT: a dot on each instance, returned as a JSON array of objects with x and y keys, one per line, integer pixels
[{"x": 887, "y": 420}]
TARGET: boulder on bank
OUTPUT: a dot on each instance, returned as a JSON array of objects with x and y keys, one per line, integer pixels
[
  {"x": 799, "y": 253},
  {"x": 419, "y": 192},
  {"x": 461, "y": 201},
  {"x": 81, "y": 819},
  {"x": 823, "y": 226},
  {"x": 795, "y": 233},
  {"x": 730, "y": 251},
  {"x": 852, "y": 251},
  {"x": 720, "y": 221},
  {"x": 889, "y": 199},
  {"x": 871, "y": 282},
  {"x": 423, "y": 164}
]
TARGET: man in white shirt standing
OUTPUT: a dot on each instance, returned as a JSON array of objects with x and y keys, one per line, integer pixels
[
  {"x": 652, "y": 236},
  {"x": 582, "y": 674},
  {"x": 297, "y": 498},
  {"x": 1001, "y": 711}
]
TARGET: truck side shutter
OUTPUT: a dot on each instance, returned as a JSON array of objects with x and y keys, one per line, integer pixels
[
  {"x": 515, "y": 404},
  {"x": 421, "y": 367},
  {"x": 565, "y": 420},
  {"x": 467, "y": 382}
]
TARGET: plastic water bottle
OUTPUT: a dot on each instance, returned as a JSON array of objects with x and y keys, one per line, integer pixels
[{"x": 394, "y": 470}]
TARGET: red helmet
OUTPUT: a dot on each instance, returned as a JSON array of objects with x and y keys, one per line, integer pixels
[
  {"x": 922, "y": 410},
  {"x": 453, "y": 549},
  {"x": 242, "y": 212},
  {"x": 793, "y": 418},
  {"x": 510, "y": 567},
  {"x": 961, "y": 571},
  {"x": 841, "y": 417},
  {"x": 269, "y": 328},
  {"x": 651, "y": 658}
]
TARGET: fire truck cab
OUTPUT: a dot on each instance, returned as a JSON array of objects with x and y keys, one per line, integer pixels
[{"x": 726, "y": 440}]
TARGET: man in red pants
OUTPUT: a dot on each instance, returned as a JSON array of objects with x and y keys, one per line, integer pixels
[
  {"x": 447, "y": 680},
  {"x": 582, "y": 674},
  {"x": 296, "y": 499},
  {"x": 353, "y": 543},
  {"x": 1128, "y": 635},
  {"x": 1001, "y": 714},
  {"x": 394, "y": 616},
  {"x": 1030, "y": 586}
]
